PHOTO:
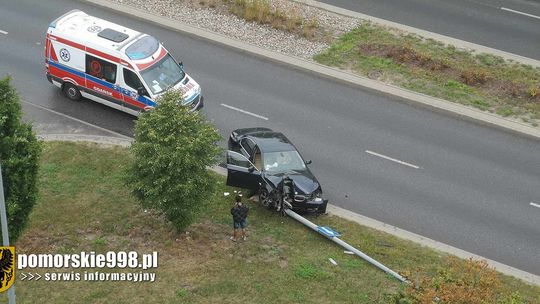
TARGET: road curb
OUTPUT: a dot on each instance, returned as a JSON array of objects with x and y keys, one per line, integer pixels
[
  {"x": 404, "y": 234},
  {"x": 102, "y": 140},
  {"x": 327, "y": 72}
]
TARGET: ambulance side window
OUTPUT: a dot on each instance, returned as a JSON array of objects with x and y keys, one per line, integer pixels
[
  {"x": 100, "y": 68},
  {"x": 132, "y": 80}
]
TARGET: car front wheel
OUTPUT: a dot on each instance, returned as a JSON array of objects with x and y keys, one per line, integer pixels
[{"x": 264, "y": 198}]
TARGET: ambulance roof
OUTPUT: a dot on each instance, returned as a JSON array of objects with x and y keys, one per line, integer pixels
[{"x": 90, "y": 30}]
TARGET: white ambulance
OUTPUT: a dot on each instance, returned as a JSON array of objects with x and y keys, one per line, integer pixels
[{"x": 89, "y": 57}]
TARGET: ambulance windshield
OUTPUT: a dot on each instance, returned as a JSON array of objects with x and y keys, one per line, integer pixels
[
  {"x": 163, "y": 75},
  {"x": 142, "y": 48}
]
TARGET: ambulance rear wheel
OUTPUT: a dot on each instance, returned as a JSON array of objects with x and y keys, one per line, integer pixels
[{"x": 71, "y": 91}]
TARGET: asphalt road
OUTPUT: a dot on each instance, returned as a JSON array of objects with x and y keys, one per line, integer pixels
[
  {"x": 474, "y": 184},
  {"x": 509, "y": 25}
]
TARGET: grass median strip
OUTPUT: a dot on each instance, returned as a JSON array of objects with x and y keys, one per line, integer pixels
[
  {"x": 483, "y": 81},
  {"x": 84, "y": 206}
]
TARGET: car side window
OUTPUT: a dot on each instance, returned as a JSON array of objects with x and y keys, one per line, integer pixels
[
  {"x": 101, "y": 68},
  {"x": 132, "y": 80},
  {"x": 237, "y": 159},
  {"x": 257, "y": 159},
  {"x": 248, "y": 145}
]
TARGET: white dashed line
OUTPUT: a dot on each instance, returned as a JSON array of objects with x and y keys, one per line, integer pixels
[
  {"x": 3, "y": 32},
  {"x": 243, "y": 111},
  {"x": 518, "y": 12},
  {"x": 392, "y": 159},
  {"x": 535, "y": 205}
]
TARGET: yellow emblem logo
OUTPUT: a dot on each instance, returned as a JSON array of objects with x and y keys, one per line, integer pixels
[{"x": 7, "y": 267}]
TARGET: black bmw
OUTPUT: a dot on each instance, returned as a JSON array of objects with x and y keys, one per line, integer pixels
[{"x": 260, "y": 159}]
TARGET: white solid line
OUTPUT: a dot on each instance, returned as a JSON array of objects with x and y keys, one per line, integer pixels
[
  {"x": 392, "y": 159},
  {"x": 76, "y": 119},
  {"x": 243, "y": 111},
  {"x": 518, "y": 12},
  {"x": 535, "y": 205},
  {"x": 3, "y": 32}
]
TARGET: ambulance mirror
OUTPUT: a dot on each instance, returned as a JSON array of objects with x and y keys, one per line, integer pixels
[{"x": 181, "y": 65}]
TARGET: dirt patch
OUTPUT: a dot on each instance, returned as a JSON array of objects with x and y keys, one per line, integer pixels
[{"x": 404, "y": 55}]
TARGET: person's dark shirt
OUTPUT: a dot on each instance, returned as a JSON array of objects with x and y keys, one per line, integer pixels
[{"x": 239, "y": 213}]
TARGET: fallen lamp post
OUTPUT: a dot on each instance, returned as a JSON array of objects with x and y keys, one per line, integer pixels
[{"x": 285, "y": 207}]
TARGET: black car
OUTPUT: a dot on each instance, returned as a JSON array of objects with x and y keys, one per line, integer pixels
[{"x": 261, "y": 160}]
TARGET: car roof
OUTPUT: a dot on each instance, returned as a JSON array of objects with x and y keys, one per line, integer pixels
[{"x": 270, "y": 141}]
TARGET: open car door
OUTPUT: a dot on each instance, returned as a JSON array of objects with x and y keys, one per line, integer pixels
[{"x": 241, "y": 172}]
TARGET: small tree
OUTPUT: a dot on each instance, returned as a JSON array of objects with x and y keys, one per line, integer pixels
[
  {"x": 19, "y": 158},
  {"x": 172, "y": 150}
]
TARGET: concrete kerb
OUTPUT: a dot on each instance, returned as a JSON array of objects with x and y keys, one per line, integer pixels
[
  {"x": 333, "y": 210},
  {"x": 101, "y": 140},
  {"x": 327, "y": 72},
  {"x": 371, "y": 223}
]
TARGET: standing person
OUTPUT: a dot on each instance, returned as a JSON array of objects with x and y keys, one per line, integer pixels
[{"x": 239, "y": 212}]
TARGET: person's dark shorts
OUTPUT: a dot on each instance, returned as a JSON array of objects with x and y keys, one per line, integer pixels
[{"x": 241, "y": 224}]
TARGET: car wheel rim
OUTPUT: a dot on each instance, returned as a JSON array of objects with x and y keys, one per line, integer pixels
[
  {"x": 264, "y": 198},
  {"x": 72, "y": 92}
]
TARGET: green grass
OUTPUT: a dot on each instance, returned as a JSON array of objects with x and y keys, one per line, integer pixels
[
  {"x": 84, "y": 206},
  {"x": 483, "y": 81}
]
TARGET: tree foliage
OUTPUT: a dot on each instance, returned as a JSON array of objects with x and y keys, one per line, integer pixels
[
  {"x": 19, "y": 157},
  {"x": 172, "y": 150}
]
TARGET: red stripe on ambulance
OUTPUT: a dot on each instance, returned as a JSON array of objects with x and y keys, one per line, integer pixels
[{"x": 162, "y": 54}]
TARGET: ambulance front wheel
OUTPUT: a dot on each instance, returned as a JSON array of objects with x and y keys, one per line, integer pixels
[{"x": 71, "y": 91}]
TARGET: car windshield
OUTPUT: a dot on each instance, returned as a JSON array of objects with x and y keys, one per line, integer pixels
[
  {"x": 283, "y": 161},
  {"x": 163, "y": 74}
]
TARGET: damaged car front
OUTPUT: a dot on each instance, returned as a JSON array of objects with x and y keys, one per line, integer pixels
[{"x": 261, "y": 160}]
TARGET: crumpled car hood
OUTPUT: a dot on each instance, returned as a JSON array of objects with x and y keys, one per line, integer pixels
[{"x": 304, "y": 181}]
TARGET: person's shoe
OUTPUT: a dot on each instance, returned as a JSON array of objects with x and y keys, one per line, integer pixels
[
  {"x": 233, "y": 239},
  {"x": 244, "y": 238}
]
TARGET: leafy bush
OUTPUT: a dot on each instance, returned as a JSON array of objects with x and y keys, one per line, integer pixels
[
  {"x": 172, "y": 150},
  {"x": 459, "y": 282},
  {"x": 19, "y": 158}
]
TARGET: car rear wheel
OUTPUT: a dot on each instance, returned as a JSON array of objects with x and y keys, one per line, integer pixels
[{"x": 72, "y": 92}]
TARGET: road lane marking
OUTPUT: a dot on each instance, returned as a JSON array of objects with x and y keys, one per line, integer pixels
[
  {"x": 243, "y": 111},
  {"x": 392, "y": 159},
  {"x": 3, "y": 32},
  {"x": 518, "y": 12},
  {"x": 535, "y": 205},
  {"x": 76, "y": 119}
]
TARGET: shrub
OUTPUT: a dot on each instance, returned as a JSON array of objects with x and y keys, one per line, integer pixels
[
  {"x": 19, "y": 158},
  {"x": 534, "y": 92},
  {"x": 459, "y": 282},
  {"x": 474, "y": 77},
  {"x": 172, "y": 150}
]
